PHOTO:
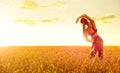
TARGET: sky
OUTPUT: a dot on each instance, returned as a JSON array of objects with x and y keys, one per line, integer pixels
[{"x": 52, "y": 22}]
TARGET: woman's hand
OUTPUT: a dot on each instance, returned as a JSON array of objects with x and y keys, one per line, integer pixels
[{"x": 77, "y": 20}]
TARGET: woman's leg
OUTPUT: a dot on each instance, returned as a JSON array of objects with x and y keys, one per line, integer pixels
[
  {"x": 100, "y": 50},
  {"x": 99, "y": 46},
  {"x": 100, "y": 54},
  {"x": 93, "y": 51}
]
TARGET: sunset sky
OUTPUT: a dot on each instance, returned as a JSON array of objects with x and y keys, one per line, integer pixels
[{"x": 52, "y": 22}]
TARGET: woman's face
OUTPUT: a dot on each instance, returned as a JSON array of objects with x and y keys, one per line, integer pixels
[{"x": 84, "y": 21}]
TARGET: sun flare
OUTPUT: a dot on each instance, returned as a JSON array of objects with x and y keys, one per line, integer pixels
[
  {"x": 48, "y": 34},
  {"x": 35, "y": 22}
]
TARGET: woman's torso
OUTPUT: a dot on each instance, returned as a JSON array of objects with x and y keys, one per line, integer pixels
[{"x": 91, "y": 31}]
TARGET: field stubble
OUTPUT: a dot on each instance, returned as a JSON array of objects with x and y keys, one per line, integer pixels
[{"x": 57, "y": 59}]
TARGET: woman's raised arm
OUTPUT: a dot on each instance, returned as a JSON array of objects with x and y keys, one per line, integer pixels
[{"x": 90, "y": 20}]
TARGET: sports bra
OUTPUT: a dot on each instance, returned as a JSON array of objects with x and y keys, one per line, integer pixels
[{"x": 95, "y": 30}]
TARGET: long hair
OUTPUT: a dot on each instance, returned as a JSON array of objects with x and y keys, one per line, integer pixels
[
  {"x": 83, "y": 30},
  {"x": 84, "y": 20}
]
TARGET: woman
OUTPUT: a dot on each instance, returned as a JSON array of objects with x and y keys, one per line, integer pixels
[{"x": 89, "y": 29}]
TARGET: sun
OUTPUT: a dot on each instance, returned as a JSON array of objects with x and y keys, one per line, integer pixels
[
  {"x": 13, "y": 34},
  {"x": 8, "y": 33}
]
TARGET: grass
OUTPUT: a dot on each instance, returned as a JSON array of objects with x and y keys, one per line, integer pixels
[{"x": 57, "y": 59}]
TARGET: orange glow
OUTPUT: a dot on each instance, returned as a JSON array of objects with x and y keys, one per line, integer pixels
[{"x": 34, "y": 22}]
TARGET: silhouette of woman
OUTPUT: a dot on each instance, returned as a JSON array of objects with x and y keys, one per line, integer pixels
[{"x": 89, "y": 29}]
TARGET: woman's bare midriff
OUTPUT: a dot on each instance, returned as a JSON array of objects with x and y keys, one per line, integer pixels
[{"x": 94, "y": 35}]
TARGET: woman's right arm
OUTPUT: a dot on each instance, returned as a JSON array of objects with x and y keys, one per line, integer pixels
[{"x": 86, "y": 36}]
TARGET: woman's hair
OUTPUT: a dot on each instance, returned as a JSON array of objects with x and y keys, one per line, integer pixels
[{"x": 84, "y": 20}]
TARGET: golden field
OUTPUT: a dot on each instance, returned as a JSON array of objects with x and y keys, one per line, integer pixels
[{"x": 57, "y": 59}]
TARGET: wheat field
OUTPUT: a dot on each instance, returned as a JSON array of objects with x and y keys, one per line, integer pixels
[{"x": 57, "y": 59}]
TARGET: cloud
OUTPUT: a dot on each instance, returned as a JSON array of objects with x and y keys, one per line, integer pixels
[
  {"x": 106, "y": 19},
  {"x": 32, "y": 5},
  {"x": 46, "y": 21},
  {"x": 49, "y": 20},
  {"x": 56, "y": 4},
  {"x": 29, "y": 4},
  {"x": 31, "y": 22}
]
